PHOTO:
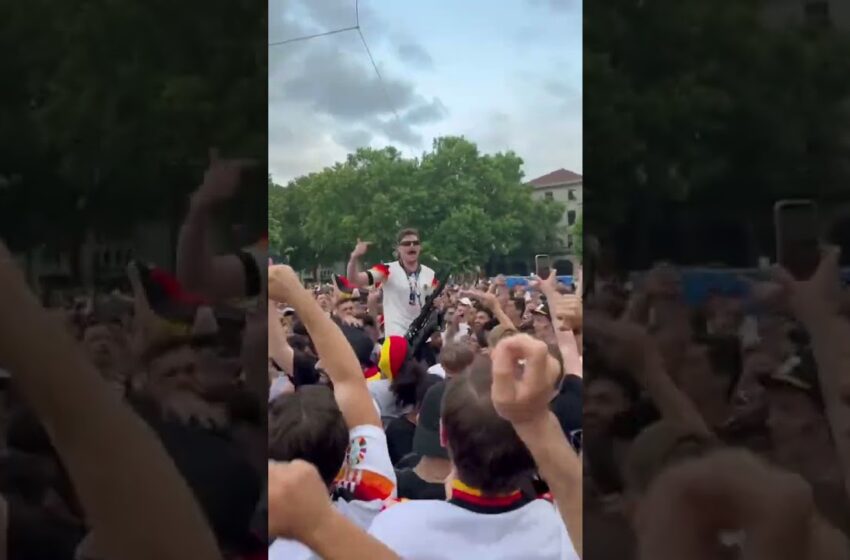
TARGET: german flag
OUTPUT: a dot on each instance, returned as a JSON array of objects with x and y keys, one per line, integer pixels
[
  {"x": 167, "y": 298},
  {"x": 343, "y": 284},
  {"x": 393, "y": 354},
  {"x": 474, "y": 499}
]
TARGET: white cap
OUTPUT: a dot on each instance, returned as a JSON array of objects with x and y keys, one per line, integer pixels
[{"x": 466, "y": 301}]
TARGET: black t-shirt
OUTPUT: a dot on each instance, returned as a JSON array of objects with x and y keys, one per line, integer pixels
[
  {"x": 400, "y": 438},
  {"x": 411, "y": 487},
  {"x": 567, "y": 406}
]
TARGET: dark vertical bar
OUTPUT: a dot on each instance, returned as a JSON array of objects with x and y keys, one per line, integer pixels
[
  {"x": 716, "y": 147},
  {"x": 133, "y": 425}
]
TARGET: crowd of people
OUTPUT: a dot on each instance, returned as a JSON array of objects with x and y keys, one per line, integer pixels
[
  {"x": 719, "y": 429},
  {"x": 461, "y": 440},
  {"x": 134, "y": 421}
]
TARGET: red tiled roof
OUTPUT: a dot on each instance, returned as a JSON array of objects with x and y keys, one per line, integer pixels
[{"x": 559, "y": 177}]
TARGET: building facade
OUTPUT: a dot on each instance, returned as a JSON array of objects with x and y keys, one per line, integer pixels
[{"x": 565, "y": 187}]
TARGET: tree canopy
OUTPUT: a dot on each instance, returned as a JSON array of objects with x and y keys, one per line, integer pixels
[
  {"x": 700, "y": 117},
  {"x": 472, "y": 209},
  {"x": 113, "y": 104}
]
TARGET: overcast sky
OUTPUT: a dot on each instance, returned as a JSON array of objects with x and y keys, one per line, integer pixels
[{"x": 507, "y": 74}]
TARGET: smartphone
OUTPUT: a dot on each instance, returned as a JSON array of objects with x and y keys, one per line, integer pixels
[
  {"x": 364, "y": 297},
  {"x": 797, "y": 236},
  {"x": 542, "y": 266}
]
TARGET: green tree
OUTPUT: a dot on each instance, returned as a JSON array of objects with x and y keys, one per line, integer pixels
[
  {"x": 702, "y": 117},
  {"x": 472, "y": 209},
  {"x": 114, "y": 105},
  {"x": 578, "y": 239}
]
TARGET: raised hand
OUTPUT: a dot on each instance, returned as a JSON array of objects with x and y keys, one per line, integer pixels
[
  {"x": 569, "y": 309},
  {"x": 221, "y": 179},
  {"x": 625, "y": 344},
  {"x": 524, "y": 378},
  {"x": 692, "y": 502},
  {"x": 282, "y": 282},
  {"x": 374, "y": 297},
  {"x": 298, "y": 500},
  {"x": 547, "y": 286},
  {"x": 487, "y": 299},
  {"x": 360, "y": 249},
  {"x": 820, "y": 294}
]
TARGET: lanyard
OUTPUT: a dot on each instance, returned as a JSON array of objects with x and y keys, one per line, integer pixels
[{"x": 415, "y": 293}]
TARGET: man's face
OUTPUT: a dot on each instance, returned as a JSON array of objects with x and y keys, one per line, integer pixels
[
  {"x": 481, "y": 319},
  {"x": 409, "y": 248},
  {"x": 324, "y": 302},
  {"x": 603, "y": 401},
  {"x": 102, "y": 346},
  {"x": 541, "y": 324},
  {"x": 345, "y": 309},
  {"x": 176, "y": 370}
]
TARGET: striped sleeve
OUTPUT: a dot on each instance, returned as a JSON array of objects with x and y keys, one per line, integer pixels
[{"x": 378, "y": 274}]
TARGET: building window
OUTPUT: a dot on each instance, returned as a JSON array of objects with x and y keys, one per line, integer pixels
[
  {"x": 571, "y": 194},
  {"x": 550, "y": 196},
  {"x": 571, "y": 217}
]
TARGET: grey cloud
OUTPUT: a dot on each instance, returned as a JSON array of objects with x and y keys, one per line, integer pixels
[
  {"x": 338, "y": 84},
  {"x": 353, "y": 138},
  {"x": 414, "y": 54},
  {"x": 426, "y": 113},
  {"x": 397, "y": 130}
]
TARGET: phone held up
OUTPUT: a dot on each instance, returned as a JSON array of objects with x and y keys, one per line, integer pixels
[
  {"x": 542, "y": 266},
  {"x": 797, "y": 236}
]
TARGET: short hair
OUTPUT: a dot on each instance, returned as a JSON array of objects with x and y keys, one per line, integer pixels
[
  {"x": 405, "y": 232},
  {"x": 406, "y": 382},
  {"x": 485, "y": 310},
  {"x": 308, "y": 425},
  {"x": 484, "y": 447},
  {"x": 456, "y": 357}
]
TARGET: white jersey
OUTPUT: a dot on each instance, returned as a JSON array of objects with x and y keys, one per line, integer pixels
[
  {"x": 404, "y": 294},
  {"x": 368, "y": 474},
  {"x": 440, "y": 530}
]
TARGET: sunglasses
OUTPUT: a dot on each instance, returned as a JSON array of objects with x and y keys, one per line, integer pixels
[{"x": 410, "y": 243}]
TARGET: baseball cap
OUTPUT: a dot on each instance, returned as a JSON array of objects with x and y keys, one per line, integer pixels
[
  {"x": 541, "y": 310},
  {"x": 426, "y": 438},
  {"x": 799, "y": 372},
  {"x": 465, "y": 301}
]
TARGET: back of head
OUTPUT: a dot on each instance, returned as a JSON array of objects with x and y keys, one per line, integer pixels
[
  {"x": 407, "y": 381},
  {"x": 456, "y": 357},
  {"x": 308, "y": 425},
  {"x": 484, "y": 447}
]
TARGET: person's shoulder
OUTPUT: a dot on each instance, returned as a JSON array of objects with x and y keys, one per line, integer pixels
[
  {"x": 402, "y": 513},
  {"x": 285, "y": 549}
]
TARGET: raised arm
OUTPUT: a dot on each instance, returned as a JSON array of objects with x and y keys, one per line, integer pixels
[
  {"x": 817, "y": 304},
  {"x": 86, "y": 422},
  {"x": 198, "y": 268},
  {"x": 524, "y": 401},
  {"x": 299, "y": 509},
  {"x": 353, "y": 272},
  {"x": 334, "y": 351},
  {"x": 565, "y": 313},
  {"x": 689, "y": 503},
  {"x": 491, "y": 302},
  {"x": 630, "y": 348},
  {"x": 279, "y": 349}
]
